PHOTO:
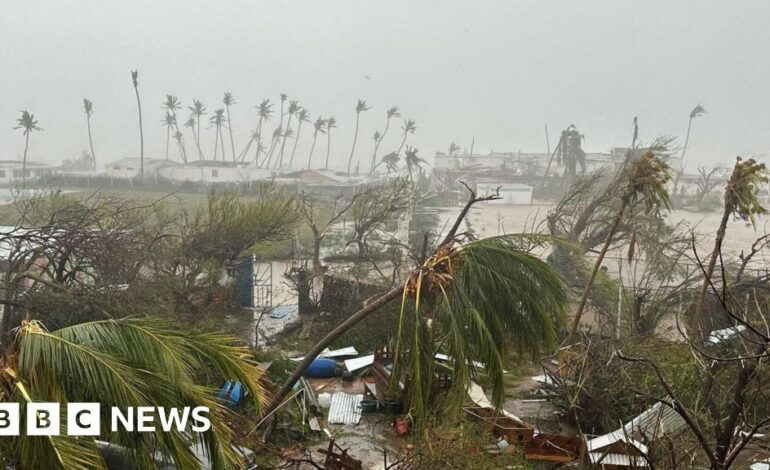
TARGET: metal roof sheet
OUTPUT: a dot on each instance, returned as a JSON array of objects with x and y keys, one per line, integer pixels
[
  {"x": 656, "y": 421},
  {"x": 620, "y": 460},
  {"x": 345, "y": 409}
]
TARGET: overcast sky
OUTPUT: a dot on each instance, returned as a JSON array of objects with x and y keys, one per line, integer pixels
[{"x": 494, "y": 70}]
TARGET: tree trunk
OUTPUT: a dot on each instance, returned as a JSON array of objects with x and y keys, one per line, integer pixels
[
  {"x": 198, "y": 141},
  {"x": 680, "y": 170},
  {"x": 312, "y": 147},
  {"x": 343, "y": 327},
  {"x": 355, "y": 139},
  {"x": 141, "y": 136},
  {"x": 328, "y": 147},
  {"x": 584, "y": 298},
  {"x": 216, "y": 142},
  {"x": 317, "y": 239},
  {"x": 24, "y": 161},
  {"x": 230, "y": 128},
  {"x": 377, "y": 146},
  {"x": 279, "y": 161},
  {"x": 700, "y": 306},
  {"x": 91, "y": 142},
  {"x": 168, "y": 139},
  {"x": 296, "y": 141}
]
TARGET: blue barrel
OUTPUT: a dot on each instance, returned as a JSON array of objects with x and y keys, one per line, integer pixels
[{"x": 321, "y": 368}]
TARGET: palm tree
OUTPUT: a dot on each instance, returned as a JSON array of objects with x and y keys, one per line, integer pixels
[
  {"x": 229, "y": 100},
  {"x": 277, "y": 133},
  {"x": 412, "y": 161},
  {"x": 89, "y": 110},
  {"x": 218, "y": 120},
  {"x": 740, "y": 199},
  {"x": 293, "y": 109},
  {"x": 331, "y": 123},
  {"x": 302, "y": 116},
  {"x": 407, "y": 128},
  {"x": 264, "y": 113},
  {"x": 319, "y": 127},
  {"x": 391, "y": 162},
  {"x": 465, "y": 301},
  {"x": 170, "y": 123},
  {"x": 696, "y": 112},
  {"x": 124, "y": 363},
  {"x": 645, "y": 181},
  {"x": 135, "y": 80},
  {"x": 360, "y": 106},
  {"x": 171, "y": 105},
  {"x": 197, "y": 110},
  {"x": 191, "y": 123},
  {"x": 394, "y": 111},
  {"x": 29, "y": 124}
]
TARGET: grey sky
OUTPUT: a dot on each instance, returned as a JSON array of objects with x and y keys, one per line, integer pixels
[{"x": 496, "y": 70}]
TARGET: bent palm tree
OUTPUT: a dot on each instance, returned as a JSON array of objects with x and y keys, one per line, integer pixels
[
  {"x": 331, "y": 123},
  {"x": 293, "y": 109},
  {"x": 89, "y": 110},
  {"x": 318, "y": 128},
  {"x": 277, "y": 133},
  {"x": 171, "y": 105},
  {"x": 360, "y": 106},
  {"x": 218, "y": 120},
  {"x": 407, "y": 128},
  {"x": 740, "y": 199},
  {"x": 29, "y": 124},
  {"x": 645, "y": 181},
  {"x": 197, "y": 110},
  {"x": 302, "y": 116},
  {"x": 124, "y": 363},
  {"x": 228, "y": 101},
  {"x": 264, "y": 112},
  {"x": 135, "y": 80},
  {"x": 169, "y": 122},
  {"x": 696, "y": 112},
  {"x": 389, "y": 114},
  {"x": 412, "y": 161},
  {"x": 468, "y": 297}
]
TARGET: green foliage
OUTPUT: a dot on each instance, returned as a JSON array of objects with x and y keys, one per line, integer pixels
[
  {"x": 741, "y": 192},
  {"x": 124, "y": 363},
  {"x": 469, "y": 299}
]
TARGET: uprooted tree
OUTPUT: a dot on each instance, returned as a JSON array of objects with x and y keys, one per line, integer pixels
[{"x": 470, "y": 299}]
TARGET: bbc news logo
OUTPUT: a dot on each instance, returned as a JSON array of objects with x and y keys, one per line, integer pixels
[{"x": 84, "y": 419}]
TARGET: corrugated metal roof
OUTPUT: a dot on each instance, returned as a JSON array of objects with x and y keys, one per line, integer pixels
[
  {"x": 345, "y": 409},
  {"x": 613, "y": 437},
  {"x": 620, "y": 460},
  {"x": 656, "y": 421}
]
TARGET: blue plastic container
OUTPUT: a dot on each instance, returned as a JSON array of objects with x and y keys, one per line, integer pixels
[{"x": 321, "y": 368}]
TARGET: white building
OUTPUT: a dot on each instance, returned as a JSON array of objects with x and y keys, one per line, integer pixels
[
  {"x": 11, "y": 171},
  {"x": 207, "y": 171},
  {"x": 130, "y": 167}
]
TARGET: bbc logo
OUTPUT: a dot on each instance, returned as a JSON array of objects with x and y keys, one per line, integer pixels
[{"x": 44, "y": 419}]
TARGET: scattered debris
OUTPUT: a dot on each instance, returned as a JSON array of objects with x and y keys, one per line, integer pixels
[
  {"x": 345, "y": 409},
  {"x": 359, "y": 362},
  {"x": 657, "y": 421},
  {"x": 617, "y": 449},
  {"x": 339, "y": 460},
  {"x": 717, "y": 336}
]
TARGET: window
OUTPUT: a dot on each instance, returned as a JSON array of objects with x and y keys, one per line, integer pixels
[
  {"x": 128, "y": 168},
  {"x": 2, "y": 173},
  {"x": 215, "y": 173},
  {"x": 18, "y": 173}
]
